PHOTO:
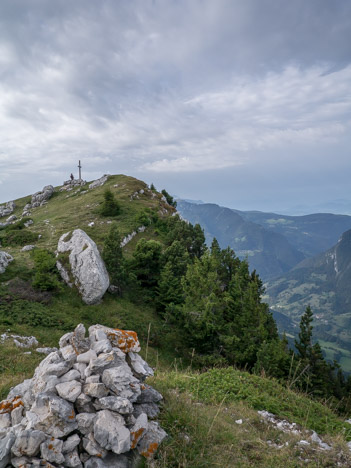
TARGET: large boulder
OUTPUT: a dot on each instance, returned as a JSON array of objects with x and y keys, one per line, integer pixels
[
  {"x": 5, "y": 259},
  {"x": 55, "y": 419},
  {"x": 86, "y": 266}
]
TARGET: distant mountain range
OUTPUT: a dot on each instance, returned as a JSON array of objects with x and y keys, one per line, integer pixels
[
  {"x": 323, "y": 282},
  {"x": 273, "y": 243},
  {"x": 304, "y": 260}
]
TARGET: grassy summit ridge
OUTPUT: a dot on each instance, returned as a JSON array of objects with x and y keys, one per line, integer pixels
[{"x": 200, "y": 408}]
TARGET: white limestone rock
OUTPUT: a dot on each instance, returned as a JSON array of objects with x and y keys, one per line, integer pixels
[
  {"x": 149, "y": 443},
  {"x": 138, "y": 430},
  {"x": 84, "y": 404},
  {"x": 51, "y": 450},
  {"x": 111, "y": 433},
  {"x": 72, "y": 459},
  {"x": 5, "y": 420},
  {"x": 104, "y": 361},
  {"x": 99, "y": 182},
  {"x": 149, "y": 395},
  {"x": 110, "y": 461},
  {"x": 7, "y": 209},
  {"x": 152, "y": 410},
  {"x": 53, "y": 415},
  {"x": 39, "y": 197},
  {"x": 85, "y": 422},
  {"x": 92, "y": 446},
  {"x": 103, "y": 346},
  {"x": 5, "y": 259},
  {"x": 6, "y": 444},
  {"x": 122, "y": 382},
  {"x": 113, "y": 403},
  {"x": 140, "y": 368},
  {"x": 27, "y": 248},
  {"x": 70, "y": 443},
  {"x": 69, "y": 390},
  {"x": 125, "y": 340},
  {"x": 28, "y": 442},
  {"x": 16, "y": 415},
  {"x": 73, "y": 374},
  {"x": 95, "y": 390},
  {"x": 87, "y": 267},
  {"x": 86, "y": 357},
  {"x": 68, "y": 353}
]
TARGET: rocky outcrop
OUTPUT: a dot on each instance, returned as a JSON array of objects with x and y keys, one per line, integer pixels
[
  {"x": 99, "y": 182},
  {"x": 38, "y": 199},
  {"x": 5, "y": 259},
  {"x": 7, "y": 209},
  {"x": 86, "y": 266},
  {"x": 86, "y": 405},
  {"x": 70, "y": 184}
]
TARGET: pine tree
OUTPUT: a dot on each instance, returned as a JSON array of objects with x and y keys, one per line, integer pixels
[
  {"x": 146, "y": 263},
  {"x": 169, "y": 289},
  {"x": 109, "y": 207},
  {"x": 304, "y": 345},
  {"x": 113, "y": 257}
]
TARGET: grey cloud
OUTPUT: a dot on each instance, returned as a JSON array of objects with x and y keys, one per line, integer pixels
[{"x": 151, "y": 88}]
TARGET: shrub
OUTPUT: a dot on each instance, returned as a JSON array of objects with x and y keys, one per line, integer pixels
[
  {"x": 169, "y": 198},
  {"x": 17, "y": 234},
  {"x": 46, "y": 274},
  {"x": 143, "y": 218},
  {"x": 113, "y": 257},
  {"x": 109, "y": 207}
]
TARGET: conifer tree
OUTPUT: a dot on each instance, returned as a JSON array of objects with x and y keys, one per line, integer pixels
[
  {"x": 109, "y": 207},
  {"x": 304, "y": 344},
  {"x": 146, "y": 263},
  {"x": 113, "y": 257}
]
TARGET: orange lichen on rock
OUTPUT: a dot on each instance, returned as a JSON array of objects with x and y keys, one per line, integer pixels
[
  {"x": 6, "y": 406},
  {"x": 72, "y": 416},
  {"x": 136, "y": 436},
  {"x": 150, "y": 450},
  {"x": 126, "y": 340}
]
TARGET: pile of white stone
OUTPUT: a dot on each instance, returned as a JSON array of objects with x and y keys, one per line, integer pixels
[{"x": 86, "y": 405}]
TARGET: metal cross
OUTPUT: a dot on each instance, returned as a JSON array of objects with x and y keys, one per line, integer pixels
[{"x": 80, "y": 173}]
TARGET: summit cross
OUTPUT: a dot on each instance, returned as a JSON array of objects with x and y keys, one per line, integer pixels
[{"x": 80, "y": 172}]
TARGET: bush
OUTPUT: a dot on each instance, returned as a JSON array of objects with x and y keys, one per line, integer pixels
[
  {"x": 46, "y": 274},
  {"x": 109, "y": 207},
  {"x": 169, "y": 198},
  {"x": 143, "y": 218},
  {"x": 113, "y": 257},
  {"x": 17, "y": 234}
]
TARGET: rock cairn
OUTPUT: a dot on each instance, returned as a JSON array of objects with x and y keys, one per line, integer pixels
[{"x": 86, "y": 405}]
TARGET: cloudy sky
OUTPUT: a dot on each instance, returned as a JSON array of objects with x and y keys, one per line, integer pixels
[{"x": 245, "y": 103}]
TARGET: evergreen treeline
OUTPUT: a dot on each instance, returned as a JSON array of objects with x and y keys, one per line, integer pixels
[{"x": 214, "y": 301}]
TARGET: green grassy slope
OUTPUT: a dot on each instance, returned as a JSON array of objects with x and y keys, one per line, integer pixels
[{"x": 200, "y": 410}]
